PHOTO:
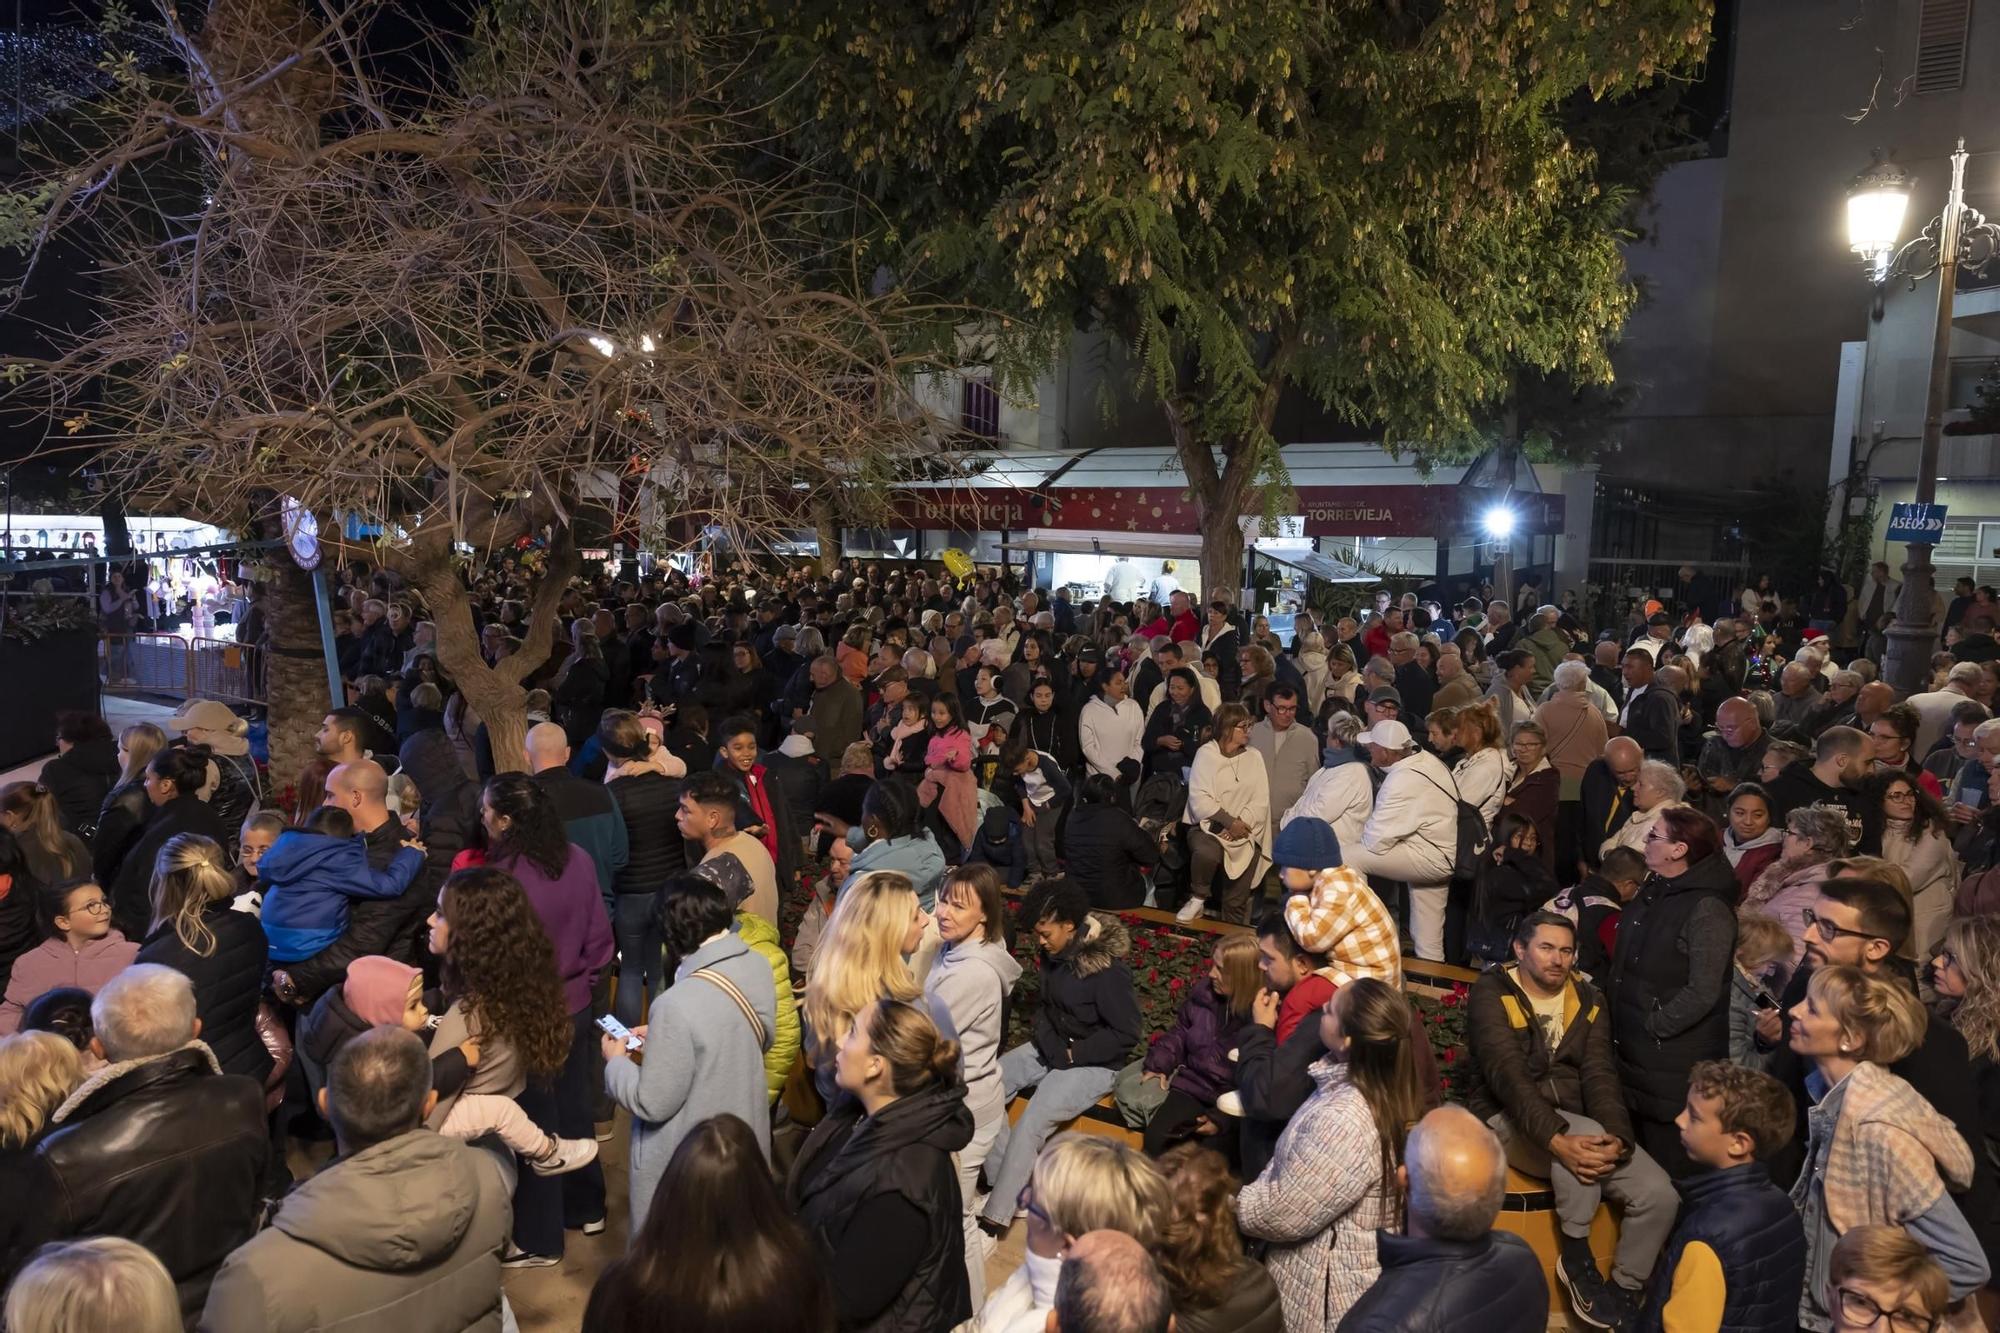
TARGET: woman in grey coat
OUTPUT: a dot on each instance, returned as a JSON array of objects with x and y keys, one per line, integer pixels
[
  {"x": 972, "y": 977},
  {"x": 705, "y": 1037}
]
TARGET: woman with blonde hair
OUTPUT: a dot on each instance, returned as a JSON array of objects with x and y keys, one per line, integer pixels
[
  {"x": 223, "y": 952},
  {"x": 1081, "y": 1183},
  {"x": 1815, "y": 836},
  {"x": 1331, "y": 1185},
  {"x": 1216, "y": 1288},
  {"x": 86, "y": 1286},
  {"x": 863, "y": 957},
  {"x": 1966, "y": 974},
  {"x": 1876, "y": 1151},
  {"x": 125, "y": 811},
  {"x": 38, "y": 1072}
]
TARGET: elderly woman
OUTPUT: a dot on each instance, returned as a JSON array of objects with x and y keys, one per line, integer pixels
[
  {"x": 1660, "y": 784},
  {"x": 1535, "y": 787},
  {"x": 1576, "y": 735},
  {"x": 1228, "y": 817},
  {"x": 1814, "y": 835}
]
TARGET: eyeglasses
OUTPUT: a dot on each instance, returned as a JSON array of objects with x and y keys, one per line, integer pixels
[
  {"x": 1946, "y": 958},
  {"x": 1858, "y": 1311},
  {"x": 1025, "y": 1200},
  {"x": 1828, "y": 932},
  {"x": 1903, "y": 795},
  {"x": 96, "y": 907}
]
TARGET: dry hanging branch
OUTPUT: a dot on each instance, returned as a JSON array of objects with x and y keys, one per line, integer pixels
[{"x": 462, "y": 313}]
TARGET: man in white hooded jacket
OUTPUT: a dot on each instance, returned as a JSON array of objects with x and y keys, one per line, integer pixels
[{"x": 1412, "y": 835}]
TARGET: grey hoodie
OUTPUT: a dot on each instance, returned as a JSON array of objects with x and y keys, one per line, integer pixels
[
  {"x": 405, "y": 1235},
  {"x": 972, "y": 980}
]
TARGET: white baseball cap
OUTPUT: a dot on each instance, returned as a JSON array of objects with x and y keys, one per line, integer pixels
[{"x": 1388, "y": 733}]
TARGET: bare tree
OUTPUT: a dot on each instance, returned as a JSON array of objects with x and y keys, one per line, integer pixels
[{"x": 459, "y": 312}]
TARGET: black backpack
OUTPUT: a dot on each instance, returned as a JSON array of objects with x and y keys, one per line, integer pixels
[{"x": 1474, "y": 838}]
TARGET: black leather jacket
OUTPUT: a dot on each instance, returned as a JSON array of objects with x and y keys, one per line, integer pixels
[{"x": 164, "y": 1151}]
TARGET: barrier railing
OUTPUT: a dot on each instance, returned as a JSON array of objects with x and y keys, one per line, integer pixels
[{"x": 180, "y": 667}]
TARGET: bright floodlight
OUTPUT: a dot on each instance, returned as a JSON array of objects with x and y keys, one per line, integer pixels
[
  {"x": 604, "y": 345},
  {"x": 1876, "y": 203},
  {"x": 1499, "y": 521}
]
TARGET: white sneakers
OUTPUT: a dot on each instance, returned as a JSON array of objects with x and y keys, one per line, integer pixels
[
  {"x": 1191, "y": 909},
  {"x": 564, "y": 1155}
]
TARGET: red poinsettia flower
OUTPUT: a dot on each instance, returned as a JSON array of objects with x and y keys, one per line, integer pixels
[{"x": 1176, "y": 983}]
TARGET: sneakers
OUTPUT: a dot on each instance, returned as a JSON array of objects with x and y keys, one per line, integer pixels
[
  {"x": 604, "y": 1129},
  {"x": 1588, "y": 1292},
  {"x": 594, "y": 1228},
  {"x": 518, "y": 1258},
  {"x": 564, "y": 1155},
  {"x": 1192, "y": 909}
]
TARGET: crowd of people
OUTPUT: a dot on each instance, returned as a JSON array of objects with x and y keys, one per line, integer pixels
[{"x": 760, "y": 883}]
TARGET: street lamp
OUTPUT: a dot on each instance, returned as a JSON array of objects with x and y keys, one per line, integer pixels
[{"x": 1876, "y": 204}]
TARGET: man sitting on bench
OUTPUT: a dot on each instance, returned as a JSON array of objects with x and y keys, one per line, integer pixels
[
  {"x": 1547, "y": 1083},
  {"x": 1087, "y": 1024}
]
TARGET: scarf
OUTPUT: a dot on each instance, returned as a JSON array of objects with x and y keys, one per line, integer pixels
[
  {"x": 760, "y": 806},
  {"x": 1734, "y": 850}
]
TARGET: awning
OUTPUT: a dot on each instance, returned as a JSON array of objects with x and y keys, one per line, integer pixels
[
  {"x": 1085, "y": 541},
  {"x": 1322, "y": 567}
]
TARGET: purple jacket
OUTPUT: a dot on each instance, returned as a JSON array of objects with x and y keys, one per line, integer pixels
[
  {"x": 56, "y": 964},
  {"x": 571, "y": 910},
  {"x": 1195, "y": 1050}
]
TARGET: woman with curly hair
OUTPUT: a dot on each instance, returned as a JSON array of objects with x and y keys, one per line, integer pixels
[
  {"x": 1910, "y": 826},
  {"x": 504, "y": 995},
  {"x": 525, "y": 838},
  {"x": 1216, "y": 1287}
]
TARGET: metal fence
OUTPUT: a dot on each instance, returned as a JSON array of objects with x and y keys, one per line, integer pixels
[{"x": 183, "y": 668}]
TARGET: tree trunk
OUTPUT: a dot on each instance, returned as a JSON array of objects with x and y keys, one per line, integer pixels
[
  {"x": 494, "y": 693},
  {"x": 294, "y": 675},
  {"x": 827, "y": 529},
  {"x": 1221, "y": 554}
]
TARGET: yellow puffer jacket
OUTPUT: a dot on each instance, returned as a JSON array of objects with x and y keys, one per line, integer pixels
[{"x": 762, "y": 937}]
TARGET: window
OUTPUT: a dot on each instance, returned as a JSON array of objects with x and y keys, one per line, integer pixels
[
  {"x": 979, "y": 409},
  {"x": 1941, "y": 36}
]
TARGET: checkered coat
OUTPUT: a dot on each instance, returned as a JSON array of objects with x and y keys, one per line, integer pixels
[
  {"x": 1321, "y": 1201},
  {"x": 1892, "y": 1155}
]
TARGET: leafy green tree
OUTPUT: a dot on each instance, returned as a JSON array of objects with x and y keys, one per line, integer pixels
[{"x": 1378, "y": 202}]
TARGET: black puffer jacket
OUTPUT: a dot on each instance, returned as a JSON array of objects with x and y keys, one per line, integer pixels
[
  {"x": 1089, "y": 1013},
  {"x": 131, "y": 891},
  {"x": 326, "y": 1027},
  {"x": 1669, "y": 984},
  {"x": 880, "y": 1196},
  {"x": 654, "y": 848},
  {"x": 228, "y": 981},
  {"x": 165, "y": 1151},
  {"x": 1251, "y": 1305},
  {"x": 80, "y": 780},
  {"x": 239, "y": 791}
]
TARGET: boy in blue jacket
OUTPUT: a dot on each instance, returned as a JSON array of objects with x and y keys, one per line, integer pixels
[
  {"x": 1737, "y": 1258},
  {"x": 309, "y": 874}
]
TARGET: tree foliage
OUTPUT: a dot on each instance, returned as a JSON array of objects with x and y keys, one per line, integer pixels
[
  {"x": 1377, "y": 201},
  {"x": 461, "y": 310}
]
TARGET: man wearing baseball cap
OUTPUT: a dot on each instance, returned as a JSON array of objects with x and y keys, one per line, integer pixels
[{"x": 1412, "y": 835}]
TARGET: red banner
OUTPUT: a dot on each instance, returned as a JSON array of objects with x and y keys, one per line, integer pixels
[{"x": 1329, "y": 511}]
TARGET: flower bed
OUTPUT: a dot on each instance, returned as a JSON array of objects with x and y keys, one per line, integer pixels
[{"x": 1166, "y": 961}]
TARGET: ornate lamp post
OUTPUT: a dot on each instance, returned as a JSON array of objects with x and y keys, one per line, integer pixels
[{"x": 1876, "y": 204}]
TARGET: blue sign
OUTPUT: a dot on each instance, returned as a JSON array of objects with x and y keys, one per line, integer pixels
[{"x": 1917, "y": 523}]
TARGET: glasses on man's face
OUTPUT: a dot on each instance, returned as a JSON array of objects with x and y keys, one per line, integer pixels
[
  {"x": 1828, "y": 932},
  {"x": 1859, "y": 1311}
]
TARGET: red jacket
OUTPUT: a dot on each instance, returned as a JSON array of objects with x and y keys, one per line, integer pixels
[{"x": 1181, "y": 629}]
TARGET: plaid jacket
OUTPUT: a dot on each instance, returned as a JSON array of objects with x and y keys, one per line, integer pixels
[
  {"x": 1321, "y": 1201},
  {"x": 1892, "y": 1154},
  {"x": 1343, "y": 919}
]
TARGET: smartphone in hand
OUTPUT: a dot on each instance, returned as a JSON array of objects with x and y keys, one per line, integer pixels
[{"x": 613, "y": 1028}]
